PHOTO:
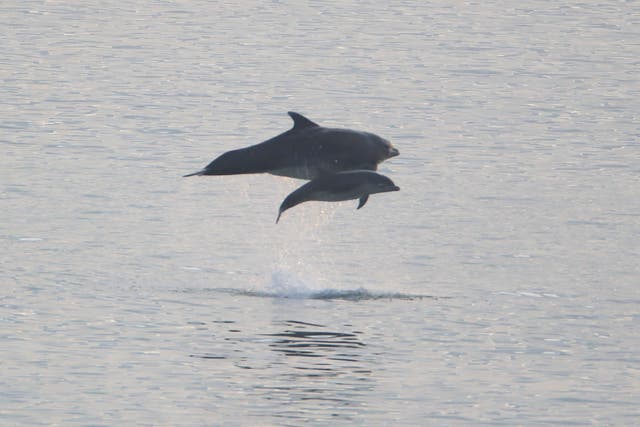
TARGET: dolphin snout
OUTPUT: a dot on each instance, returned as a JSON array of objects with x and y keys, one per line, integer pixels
[
  {"x": 395, "y": 188},
  {"x": 393, "y": 152}
]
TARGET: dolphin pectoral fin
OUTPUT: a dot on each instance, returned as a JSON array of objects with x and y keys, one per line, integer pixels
[
  {"x": 363, "y": 200},
  {"x": 300, "y": 121}
]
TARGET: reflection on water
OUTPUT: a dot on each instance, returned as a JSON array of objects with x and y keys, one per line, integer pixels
[
  {"x": 333, "y": 346},
  {"x": 321, "y": 368},
  {"x": 314, "y": 368}
]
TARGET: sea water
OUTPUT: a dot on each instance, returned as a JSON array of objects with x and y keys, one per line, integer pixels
[{"x": 498, "y": 287}]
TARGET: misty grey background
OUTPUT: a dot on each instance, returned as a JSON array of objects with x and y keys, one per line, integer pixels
[{"x": 498, "y": 287}]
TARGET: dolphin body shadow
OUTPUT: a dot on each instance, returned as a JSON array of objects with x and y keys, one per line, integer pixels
[
  {"x": 306, "y": 151},
  {"x": 338, "y": 187}
]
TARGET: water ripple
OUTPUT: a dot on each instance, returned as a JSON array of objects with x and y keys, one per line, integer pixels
[{"x": 359, "y": 294}]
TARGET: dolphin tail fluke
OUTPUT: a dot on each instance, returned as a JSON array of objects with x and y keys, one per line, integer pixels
[
  {"x": 293, "y": 199},
  {"x": 242, "y": 161},
  {"x": 245, "y": 160}
]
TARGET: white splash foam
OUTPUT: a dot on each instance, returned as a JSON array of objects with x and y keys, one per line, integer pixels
[{"x": 285, "y": 284}]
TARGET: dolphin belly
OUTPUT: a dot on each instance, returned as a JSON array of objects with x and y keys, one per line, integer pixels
[
  {"x": 315, "y": 169},
  {"x": 299, "y": 172},
  {"x": 334, "y": 196}
]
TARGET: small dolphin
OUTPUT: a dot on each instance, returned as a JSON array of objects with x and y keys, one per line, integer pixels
[
  {"x": 340, "y": 186},
  {"x": 305, "y": 151}
]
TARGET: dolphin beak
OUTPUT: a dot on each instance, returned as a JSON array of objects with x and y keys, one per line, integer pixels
[
  {"x": 393, "y": 152},
  {"x": 395, "y": 188}
]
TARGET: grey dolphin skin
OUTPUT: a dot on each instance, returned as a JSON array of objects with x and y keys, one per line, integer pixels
[
  {"x": 305, "y": 151},
  {"x": 340, "y": 186}
]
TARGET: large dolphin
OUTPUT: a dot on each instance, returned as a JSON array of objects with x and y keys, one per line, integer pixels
[
  {"x": 340, "y": 186},
  {"x": 305, "y": 151}
]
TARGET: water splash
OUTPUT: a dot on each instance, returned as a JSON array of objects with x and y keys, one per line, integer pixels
[{"x": 284, "y": 284}]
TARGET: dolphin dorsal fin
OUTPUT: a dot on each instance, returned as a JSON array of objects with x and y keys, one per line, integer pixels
[{"x": 300, "y": 121}]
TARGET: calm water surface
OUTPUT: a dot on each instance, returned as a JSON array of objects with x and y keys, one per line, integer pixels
[{"x": 499, "y": 287}]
